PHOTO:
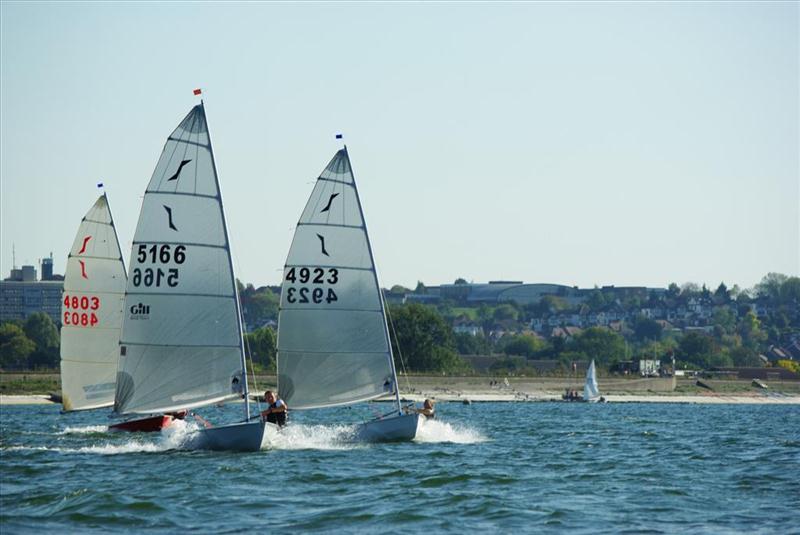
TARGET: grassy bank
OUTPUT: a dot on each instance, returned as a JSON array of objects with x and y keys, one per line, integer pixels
[{"x": 29, "y": 383}]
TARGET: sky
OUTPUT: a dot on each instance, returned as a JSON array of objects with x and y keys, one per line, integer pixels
[{"x": 581, "y": 143}]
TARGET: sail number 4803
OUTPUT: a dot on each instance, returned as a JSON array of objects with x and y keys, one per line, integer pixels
[
  {"x": 313, "y": 276},
  {"x": 75, "y": 304}
]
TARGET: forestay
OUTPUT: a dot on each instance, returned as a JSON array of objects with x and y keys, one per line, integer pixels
[
  {"x": 91, "y": 312},
  {"x": 181, "y": 344},
  {"x": 333, "y": 344}
]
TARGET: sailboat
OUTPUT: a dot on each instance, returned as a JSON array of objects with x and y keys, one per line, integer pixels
[
  {"x": 591, "y": 392},
  {"x": 333, "y": 339},
  {"x": 181, "y": 345},
  {"x": 91, "y": 312}
]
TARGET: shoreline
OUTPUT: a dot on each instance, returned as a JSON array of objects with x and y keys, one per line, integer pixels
[
  {"x": 463, "y": 389},
  {"x": 519, "y": 397}
]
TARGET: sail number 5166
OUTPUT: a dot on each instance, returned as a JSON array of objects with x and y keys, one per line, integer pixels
[
  {"x": 163, "y": 254},
  {"x": 158, "y": 254}
]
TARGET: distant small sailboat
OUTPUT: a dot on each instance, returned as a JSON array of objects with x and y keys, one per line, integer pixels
[
  {"x": 333, "y": 339},
  {"x": 91, "y": 312},
  {"x": 591, "y": 392},
  {"x": 181, "y": 345}
]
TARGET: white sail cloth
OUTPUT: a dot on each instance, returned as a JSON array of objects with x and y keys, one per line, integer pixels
[
  {"x": 333, "y": 344},
  {"x": 590, "y": 389},
  {"x": 181, "y": 344},
  {"x": 91, "y": 312}
]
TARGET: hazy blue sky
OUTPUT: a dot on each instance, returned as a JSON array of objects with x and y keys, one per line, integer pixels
[{"x": 583, "y": 144}]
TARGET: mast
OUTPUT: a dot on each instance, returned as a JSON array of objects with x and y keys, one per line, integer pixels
[
  {"x": 377, "y": 283},
  {"x": 124, "y": 270},
  {"x": 111, "y": 217},
  {"x": 230, "y": 264}
]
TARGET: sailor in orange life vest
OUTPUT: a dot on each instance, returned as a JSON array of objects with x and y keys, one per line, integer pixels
[
  {"x": 276, "y": 411},
  {"x": 427, "y": 409}
]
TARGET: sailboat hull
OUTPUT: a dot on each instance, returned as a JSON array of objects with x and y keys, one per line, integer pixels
[
  {"x": 390, "y": 429},
  {"x": 245, "y": 436},
  {"x": 145, "y": 425}
]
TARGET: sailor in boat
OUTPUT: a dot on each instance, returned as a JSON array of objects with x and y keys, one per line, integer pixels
[
  {"x": 427, "y": 409},
  {"x": 570, "y": 395},
  {"x": 276, "y": 411}
]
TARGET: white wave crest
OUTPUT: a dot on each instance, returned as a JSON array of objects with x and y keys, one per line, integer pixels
[
  {"x": 84, "y": 430},
  {"x": 439, "y": 431},
  {"x": 312, "y": 437},
  {"x": 180, "y": 434},
  {"x": 132, "y": 446}
]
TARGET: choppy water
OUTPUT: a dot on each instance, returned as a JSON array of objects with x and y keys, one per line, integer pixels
[{"x": 532, "y": 467}]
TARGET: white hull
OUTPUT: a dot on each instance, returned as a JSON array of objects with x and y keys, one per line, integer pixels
[
  {"x": 389, "y": 429},
  {"x": 245, "y": 436}
]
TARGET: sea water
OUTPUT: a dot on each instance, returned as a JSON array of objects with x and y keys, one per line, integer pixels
[{"x": 531, "y": 467}]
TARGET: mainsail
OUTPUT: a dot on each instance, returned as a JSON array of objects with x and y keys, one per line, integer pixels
[
  {"x": 590, "y": 389},
  {"x": 91, "y": 312},
  {"x": 333, "y": 341},
  {"x": 181, "y": 343}
]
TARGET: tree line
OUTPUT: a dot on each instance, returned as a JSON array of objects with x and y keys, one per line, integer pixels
[
  {"x": 30, "y": 344},
  {"x": 423, "y": 339}
]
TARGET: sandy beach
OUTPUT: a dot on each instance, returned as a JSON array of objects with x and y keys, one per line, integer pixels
[
  {"x": 508, "y": 395},
  {"x": 475, "y": 397},
  {"x": 27, "y": 399}
]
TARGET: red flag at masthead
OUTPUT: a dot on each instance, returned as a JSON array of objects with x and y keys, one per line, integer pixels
[{"x": 197, "y": 91}]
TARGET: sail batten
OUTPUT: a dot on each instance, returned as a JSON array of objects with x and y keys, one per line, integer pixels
[
  {"x": 333, "y": 344},
  {"x": 91, "y": 312},
  {"x": 181, "y": 344},
  {"x": 165, "y": 193},
  {"x": 330, "y": 225}
]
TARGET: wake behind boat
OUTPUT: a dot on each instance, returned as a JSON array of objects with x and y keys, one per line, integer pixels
[
  {"x": 333, "y": 339},
  {"x": 181, "y": 346}
]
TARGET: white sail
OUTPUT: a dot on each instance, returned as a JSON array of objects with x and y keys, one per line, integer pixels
[
  {"x": 91, "y": 312},
  {"x": 590, "y": 389},
  {"x": 333, "y": 343},
  {"x": 181, "y": 343}
]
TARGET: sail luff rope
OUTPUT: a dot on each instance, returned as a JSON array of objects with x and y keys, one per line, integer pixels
[{"x": 230, "y": 265}]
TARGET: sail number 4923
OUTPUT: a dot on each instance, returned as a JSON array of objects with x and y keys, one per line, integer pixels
[
  {"x": 314, "y": 277},
  {"x": 158, "y": 254}
]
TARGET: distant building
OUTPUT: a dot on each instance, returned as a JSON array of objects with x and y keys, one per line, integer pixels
[
  {"x": 21, "y": 295},
  {"x": 425, "y": 299},
  {"x": 465, "y": 326},
  {"x": 393, "y": 298},
  {"x": 495, "y": 292},
  {"x": 647, "y": 367},
  {"x": 500, "y": 291},
  {"x": 567, "y": 333},
  {"x": 47, "y": 270}
]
